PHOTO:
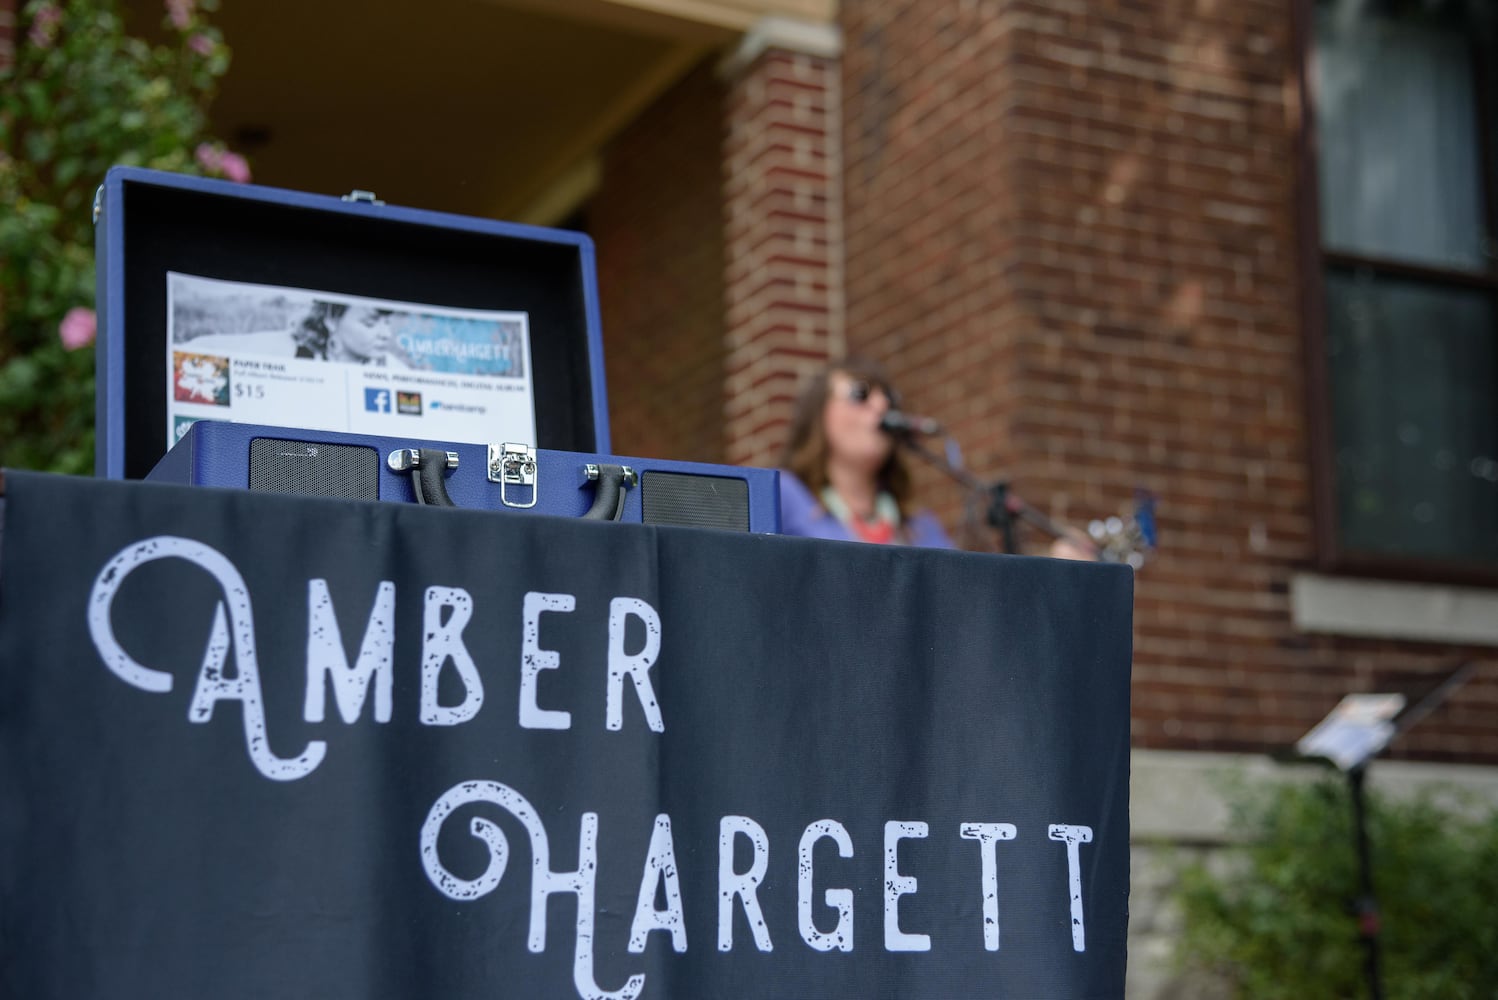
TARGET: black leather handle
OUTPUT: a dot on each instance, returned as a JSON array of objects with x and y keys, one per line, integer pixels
[
  {"x": 608, "y": 500},
  {"x": 427, "y": 480}
]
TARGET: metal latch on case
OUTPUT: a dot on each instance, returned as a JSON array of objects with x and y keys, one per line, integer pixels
[{"x": 513, "y": 465}]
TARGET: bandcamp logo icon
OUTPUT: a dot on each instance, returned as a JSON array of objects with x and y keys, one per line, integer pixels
[{"x": 377, "y": 400}]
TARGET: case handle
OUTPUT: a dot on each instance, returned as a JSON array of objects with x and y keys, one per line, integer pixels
[
  {"x": 426, "y": 466},
  {"x": 613, "y": 482}
]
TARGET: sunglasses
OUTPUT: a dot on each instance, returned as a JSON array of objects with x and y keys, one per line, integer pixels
[{"x": 859, "y": 391}]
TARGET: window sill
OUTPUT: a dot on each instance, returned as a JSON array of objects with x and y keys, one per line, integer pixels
[{"x": 1387, "y": 610}]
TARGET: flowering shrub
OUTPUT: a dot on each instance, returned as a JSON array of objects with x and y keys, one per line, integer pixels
[
  {"x": 79, "y": 97},
  {"x": 1278, "y": 924}
]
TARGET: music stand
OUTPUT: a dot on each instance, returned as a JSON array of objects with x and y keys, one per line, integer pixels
[{"x": 1353, "y": 733}]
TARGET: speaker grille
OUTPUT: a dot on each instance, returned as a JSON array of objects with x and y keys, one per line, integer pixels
[
  {"x": 692, "y": 501},
  {"x": 315, "y": 469}
]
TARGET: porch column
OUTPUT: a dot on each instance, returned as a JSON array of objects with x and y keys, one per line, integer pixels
[{"x": 783, "y": 202}]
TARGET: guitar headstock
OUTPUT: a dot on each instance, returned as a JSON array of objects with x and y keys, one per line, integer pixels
[{"x": 1127, "y": 540}]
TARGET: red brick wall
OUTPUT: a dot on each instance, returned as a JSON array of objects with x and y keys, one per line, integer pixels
[
  {"x": 932, "y": 220},
  {"x": 1071, "y": 229},
  {"x": 718, "y": 230},
  {"x": 657, "y": 225},
  {"x": 784, "y": 242}
]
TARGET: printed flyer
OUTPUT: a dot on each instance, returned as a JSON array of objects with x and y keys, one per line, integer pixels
[{"x": 298, "y": 358}]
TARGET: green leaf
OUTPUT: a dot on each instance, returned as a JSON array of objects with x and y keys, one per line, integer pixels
[
  {"x": 96, "y": 98},
  {"x": 1274, "y": 921}
]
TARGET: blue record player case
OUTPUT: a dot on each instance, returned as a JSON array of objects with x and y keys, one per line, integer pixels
[
  {"x": 149, "y": 224},
  {"x": 478, "y": 477}
]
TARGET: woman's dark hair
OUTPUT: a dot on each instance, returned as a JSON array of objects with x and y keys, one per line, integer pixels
[
  {"x": 806, "y": 451},
  {"x": 312, "y": 335}
]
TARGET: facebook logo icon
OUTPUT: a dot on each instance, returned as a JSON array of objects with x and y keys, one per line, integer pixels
[{"x": 377, "y": 400}]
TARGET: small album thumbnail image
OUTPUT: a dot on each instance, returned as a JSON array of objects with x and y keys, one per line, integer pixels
[{"x": 200, "y": 378}]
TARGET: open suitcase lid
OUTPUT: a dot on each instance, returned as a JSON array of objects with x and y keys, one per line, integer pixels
[{"x": 449, "y": 290}]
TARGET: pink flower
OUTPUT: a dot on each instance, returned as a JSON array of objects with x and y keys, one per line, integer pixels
[
  {"x": 77, "y": 328},
  {"x": 201, "y": 44},
  {"x": 44, "y": 26},
  {"x": 217, "y": 160},
  {"x": 235, "y": 167},
  {"x": 209, "y": 156},
  {"x": 180, "y": 13}
]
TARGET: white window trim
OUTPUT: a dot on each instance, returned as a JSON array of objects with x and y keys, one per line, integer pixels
[{"x": 1387, "y": 610}]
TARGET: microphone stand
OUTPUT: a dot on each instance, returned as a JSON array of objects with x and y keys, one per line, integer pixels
[{"x": 1005, "y": 507}]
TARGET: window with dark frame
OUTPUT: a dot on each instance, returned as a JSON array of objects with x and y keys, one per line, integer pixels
[{"x": 1406, "y": 128}]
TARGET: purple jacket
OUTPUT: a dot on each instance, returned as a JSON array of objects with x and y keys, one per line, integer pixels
[{"x": 802, "y": 514}]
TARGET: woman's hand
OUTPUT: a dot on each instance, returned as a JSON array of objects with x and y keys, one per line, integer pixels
[{"x": 1073, "y": 545}]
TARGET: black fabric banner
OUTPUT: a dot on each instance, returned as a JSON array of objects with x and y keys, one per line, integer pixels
[{"x": 256, "y": 746}]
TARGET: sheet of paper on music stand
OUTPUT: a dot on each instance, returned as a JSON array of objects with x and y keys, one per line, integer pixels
[{"x": 1358, "y": 728}]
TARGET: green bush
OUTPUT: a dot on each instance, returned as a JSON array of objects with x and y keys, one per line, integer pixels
[
  {"x": 80, "y": 96},
  {"x": 1275, "y": 920}
]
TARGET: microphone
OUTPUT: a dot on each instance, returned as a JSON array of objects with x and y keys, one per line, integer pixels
[{"x": 899, "y": 424}]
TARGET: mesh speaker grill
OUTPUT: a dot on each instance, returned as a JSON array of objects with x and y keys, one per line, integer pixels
[
  {"x": 314, "y": 469},
  {"x": 693, "y": 501}
]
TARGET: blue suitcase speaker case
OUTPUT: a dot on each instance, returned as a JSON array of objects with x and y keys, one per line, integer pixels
[
  {"x": 150, "y": 224},
  {"x": 369, "y": 467}
]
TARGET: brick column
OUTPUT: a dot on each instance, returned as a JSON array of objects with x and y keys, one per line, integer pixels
[{"x": 783, "y": 232}]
